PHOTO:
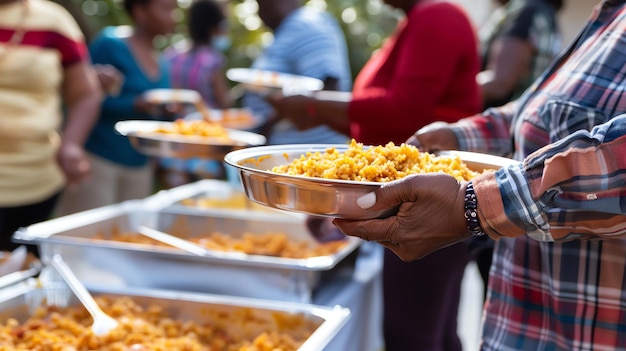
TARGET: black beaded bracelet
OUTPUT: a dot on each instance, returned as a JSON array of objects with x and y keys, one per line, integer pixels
[{"x": 471, "y": 214}]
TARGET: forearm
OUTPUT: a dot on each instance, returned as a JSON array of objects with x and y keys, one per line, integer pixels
[
  {"x": 507, "y": 64},
  {"x": 82, "y": 96},
  {"x": 568, "y": 190},
  {"x": 332, "y": 113},
  {"x": 221, "y": 92},
  {"x": 81, "y": 116},
  {"x": 493, "y": 89}
]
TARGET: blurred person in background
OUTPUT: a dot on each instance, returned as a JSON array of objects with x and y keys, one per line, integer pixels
[
  {"x": 411, "y": 81},
  {"x": 519, "y": 40},
  {"x": 44, "y": 64},
  {"x": 199, "y": 65},
  {"x": 307, "y": 42},
  {"x": 119, "y": 172}
]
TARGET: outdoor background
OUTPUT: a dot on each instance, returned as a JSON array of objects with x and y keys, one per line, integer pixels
[{"x": 365, "y": 23}]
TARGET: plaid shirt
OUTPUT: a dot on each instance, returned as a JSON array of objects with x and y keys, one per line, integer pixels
[{"x": 558, "y": 279}]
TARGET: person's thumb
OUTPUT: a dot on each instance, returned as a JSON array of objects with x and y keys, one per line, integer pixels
[
  {"x": 388, "y": 195},
  {"x": 435, "y": 137}
]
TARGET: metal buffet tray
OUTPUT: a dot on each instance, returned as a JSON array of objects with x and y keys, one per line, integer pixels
[
  {"x": 225, "y": 199},
  {"x": 139, "y": 265},
  {"x": 21, "y": 300},
  {"x": 318, "y": 196},
  {"x": 165, "y": 145}
]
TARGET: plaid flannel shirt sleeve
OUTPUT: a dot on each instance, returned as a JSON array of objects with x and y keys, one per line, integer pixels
[
  {"x": 572, "y": 189},
  {"x": 488, "y": 132}
]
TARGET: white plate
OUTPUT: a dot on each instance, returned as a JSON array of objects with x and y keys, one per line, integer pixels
[
  {"x": 265, "y": 82},
  {"x": 164, "y": 96}
]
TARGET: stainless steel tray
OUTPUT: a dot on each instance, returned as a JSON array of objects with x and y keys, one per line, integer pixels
[
  {"x": 317, "y": 196},
  {"x": 21, "y": 300},
  {"x": 225, "y": 197},
  {"x": 165, "y": 145},
  {"x": 16, "y": 277},
  {"x": 170, "y": 268}
]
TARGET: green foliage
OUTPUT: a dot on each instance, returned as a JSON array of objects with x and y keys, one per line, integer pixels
[{"x": 366, "y": 23}]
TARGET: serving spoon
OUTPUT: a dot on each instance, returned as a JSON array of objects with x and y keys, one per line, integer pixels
[
  {"x": 102, "y": 322},
  {"x": 185, "y": 245}
]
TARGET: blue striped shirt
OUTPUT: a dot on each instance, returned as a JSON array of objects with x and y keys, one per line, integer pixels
[{"x": 310, "y": 43}]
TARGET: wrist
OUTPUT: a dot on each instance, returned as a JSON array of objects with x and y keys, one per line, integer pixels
[
  {"x": 470, "y": 208},
  {"x": 69, "y": 144},
  {"x": 311, "y": 108}
]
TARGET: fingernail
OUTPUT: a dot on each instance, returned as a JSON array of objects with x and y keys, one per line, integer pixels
[{"x": 366, "y": 201}]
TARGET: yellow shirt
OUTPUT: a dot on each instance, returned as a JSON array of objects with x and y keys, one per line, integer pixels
[{"x": 31, "y": 77}]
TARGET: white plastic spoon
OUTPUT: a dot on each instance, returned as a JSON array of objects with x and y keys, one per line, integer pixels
[
  {"x": 102, "y": 322},
  {"x": 186, "y": 245}
]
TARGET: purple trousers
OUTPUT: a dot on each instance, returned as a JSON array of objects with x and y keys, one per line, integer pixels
[{"x": 421, "y": 300}]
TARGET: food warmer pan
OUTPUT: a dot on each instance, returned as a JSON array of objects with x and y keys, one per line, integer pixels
[
  {"x": 215, "y": 196},
  {"x": 83, "y": 239},
  {"x": 321, "y": 324}
]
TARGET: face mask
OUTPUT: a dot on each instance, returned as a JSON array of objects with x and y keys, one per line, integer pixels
[{"x": 221, "y": 42}]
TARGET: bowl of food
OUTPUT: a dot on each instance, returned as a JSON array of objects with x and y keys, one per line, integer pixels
[
  {"x": 267, "y": 82},
  {"x": 38, "y": 315},
  {"x": 185, "y": 139},
  {"x": 327, "y": 180}
]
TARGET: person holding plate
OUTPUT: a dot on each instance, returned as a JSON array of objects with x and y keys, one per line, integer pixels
[
  {"x": 198, "y": 65},
  {"x": 307, "y": 42},
  {"x": 411, "y": 81},
  {"x": 119, "y": 172},
  {"x": 558, "y": 216}
]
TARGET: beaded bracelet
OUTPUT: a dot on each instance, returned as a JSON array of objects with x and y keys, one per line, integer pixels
[{"x": 471, "y": 214}]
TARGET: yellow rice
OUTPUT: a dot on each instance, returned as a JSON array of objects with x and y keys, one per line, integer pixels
[{"x": 374, "y": 164}]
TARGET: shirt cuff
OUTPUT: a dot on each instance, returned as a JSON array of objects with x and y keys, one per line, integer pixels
[{"x": 491, "y": 212}]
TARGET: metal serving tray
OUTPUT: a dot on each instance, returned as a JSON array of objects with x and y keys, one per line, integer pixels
[
  {"x": 226, "y": 199},
  {"x": 21, "y": 300},
  {"x": 319, "y": 196},
  {"x": 148, "y": 266},
  {"x": 180, "y": 146}
]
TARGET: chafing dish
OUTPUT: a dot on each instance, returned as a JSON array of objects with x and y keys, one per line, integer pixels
[
  {"x": 140, "y": 265},
  {"x": 215, "y": 197},
  {"x": 21, "y": 300}
]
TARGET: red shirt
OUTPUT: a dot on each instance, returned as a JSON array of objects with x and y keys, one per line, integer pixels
[{"x": 425, "y": 72}]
